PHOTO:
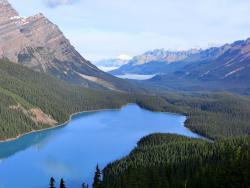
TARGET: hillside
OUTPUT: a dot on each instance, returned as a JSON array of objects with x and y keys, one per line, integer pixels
[
  {"x": 40, "y": 45},
  {"x": 31, "y": 101}
]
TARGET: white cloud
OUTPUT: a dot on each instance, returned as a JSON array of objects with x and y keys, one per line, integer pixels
[
  {"x": 124, "y": 57},
  {"x": 56, "y": 3}
]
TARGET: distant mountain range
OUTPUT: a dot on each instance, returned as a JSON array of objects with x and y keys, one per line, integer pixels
[
  {"x": 153, "y": 62},
  {"x": 38, "y": 44},
  {"x": 218, "y": 68}
]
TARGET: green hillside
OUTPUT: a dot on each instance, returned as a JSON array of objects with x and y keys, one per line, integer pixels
[{"x": 22, "y": 89}]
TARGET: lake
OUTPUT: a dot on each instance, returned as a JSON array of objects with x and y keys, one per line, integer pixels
[
  {"x": 136, "y": 76},
  {"x": 73, "y": 151}
]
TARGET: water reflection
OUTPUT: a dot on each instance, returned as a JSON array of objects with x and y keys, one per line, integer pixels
[{"x": 36, "y": 139}]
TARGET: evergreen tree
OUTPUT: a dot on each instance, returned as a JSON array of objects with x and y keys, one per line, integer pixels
[
  {"x": 62, "y": 184},
  {"x": 97, "y": 179},
  {"x": 52, "y": 183}
]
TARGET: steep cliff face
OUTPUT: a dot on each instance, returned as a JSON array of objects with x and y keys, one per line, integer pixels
[{"x": 38, "y": 44}]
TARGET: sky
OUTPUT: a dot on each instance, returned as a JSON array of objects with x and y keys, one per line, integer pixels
[{"x": 103, "y": 29}]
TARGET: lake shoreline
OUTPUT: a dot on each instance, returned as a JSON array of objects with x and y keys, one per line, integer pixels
[
  {"x": 63, "y": 124},
  {"x": 99, "y": 110}
]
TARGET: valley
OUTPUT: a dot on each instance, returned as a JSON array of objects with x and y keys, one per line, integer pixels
[{"x": 213, "y": 115}]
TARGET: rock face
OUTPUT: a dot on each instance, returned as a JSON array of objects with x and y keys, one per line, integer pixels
[{"x": 38, "y": 44}]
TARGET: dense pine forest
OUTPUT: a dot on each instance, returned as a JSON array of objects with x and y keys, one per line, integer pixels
[
  {"x": 22, "y": 89},
  {"x": 164, "y": 160},
  {"x": 214, "y": 115}
]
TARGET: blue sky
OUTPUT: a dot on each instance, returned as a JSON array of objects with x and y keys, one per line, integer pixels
[{"x": 108, "y": 28}]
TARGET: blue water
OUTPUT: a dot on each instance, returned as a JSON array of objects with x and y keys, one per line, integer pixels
[{"x": 73, "y": 151}]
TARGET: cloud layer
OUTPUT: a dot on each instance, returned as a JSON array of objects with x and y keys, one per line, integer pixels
[{"x": 56, "y": 3}]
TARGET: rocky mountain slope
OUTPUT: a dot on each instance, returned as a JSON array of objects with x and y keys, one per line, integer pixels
[{"x": 37, "y": 43}]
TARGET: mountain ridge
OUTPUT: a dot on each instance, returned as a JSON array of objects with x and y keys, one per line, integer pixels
[
  {"x": 149, "y": 60},
  {"x": 40, "y": 45},
  {"x": 227, "y": 68},
  {"x": 218, "y": 68}
]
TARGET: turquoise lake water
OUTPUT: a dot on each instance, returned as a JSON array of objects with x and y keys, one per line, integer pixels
[{"x": 73, "y": 151}]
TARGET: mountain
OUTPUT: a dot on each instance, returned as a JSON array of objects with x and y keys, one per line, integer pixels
[
  {"x": 221, "y": 68},
  {"x": 154, "y": 62},
  {"x": 38, "y": 44},
  {"x": 112, "y": 64}
]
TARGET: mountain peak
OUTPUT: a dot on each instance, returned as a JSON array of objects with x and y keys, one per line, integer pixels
[
  {"x": 38, "y": 44},
  {"x": 6, "y": 11},
  {"x": 4, "y": 2}
]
